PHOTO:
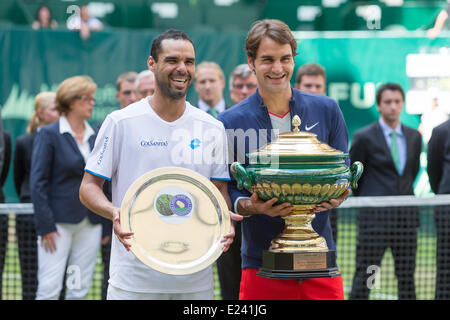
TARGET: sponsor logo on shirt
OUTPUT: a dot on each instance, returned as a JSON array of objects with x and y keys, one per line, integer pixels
[
  {"x": 154, "y": 143},
  {"x": 105, "y": 144},
  {"x": 195, "y": 143},
  {"x": 310, "y": 128}
]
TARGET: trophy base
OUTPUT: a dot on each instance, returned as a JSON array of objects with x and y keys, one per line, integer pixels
[{"x": 299, "y": 265}]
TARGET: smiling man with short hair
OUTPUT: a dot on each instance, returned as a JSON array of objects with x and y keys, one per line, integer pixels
[
  {"x": 271, "y": 49},
  {"x": 150, "y": 134}
]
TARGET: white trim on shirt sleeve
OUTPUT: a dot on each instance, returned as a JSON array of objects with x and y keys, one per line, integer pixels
[{"x": 236, "y": 205}]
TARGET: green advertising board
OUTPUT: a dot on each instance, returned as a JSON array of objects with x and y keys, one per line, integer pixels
[{"x": 356, "y": 63}]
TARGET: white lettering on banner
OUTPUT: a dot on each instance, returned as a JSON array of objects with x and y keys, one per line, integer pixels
[
  {"x": 368, "y": 95},
  {"x": 75, "y": 11},
  {"x": 339, "y": 91},
  {"x": 343, "y": 91}
]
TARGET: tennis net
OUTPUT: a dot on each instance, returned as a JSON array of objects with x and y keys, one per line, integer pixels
[{"x": 387, "y": 248}]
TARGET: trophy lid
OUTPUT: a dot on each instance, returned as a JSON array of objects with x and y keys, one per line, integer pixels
[
  {"x": 178, "y": 218},
  {"x": 298, "y": 144}
]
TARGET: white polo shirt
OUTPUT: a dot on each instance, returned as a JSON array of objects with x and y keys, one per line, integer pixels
[{"x": 135, "y": 140}]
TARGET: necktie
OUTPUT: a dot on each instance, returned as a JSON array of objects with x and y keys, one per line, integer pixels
[
  {"x": 394, "y": 151},
  {"x": 213, "y": 112}
]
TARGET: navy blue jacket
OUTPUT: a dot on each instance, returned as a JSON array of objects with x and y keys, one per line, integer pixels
[
  {"x": 57, "y": 168},
  {"x": 326, "y": 119},
  {"x": 22, "y": 165}
]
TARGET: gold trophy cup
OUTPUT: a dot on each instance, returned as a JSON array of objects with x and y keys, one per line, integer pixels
[{"x": 299, "y": 169}]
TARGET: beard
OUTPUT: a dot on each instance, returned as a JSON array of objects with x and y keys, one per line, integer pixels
[{"x": 169, "y": 92}]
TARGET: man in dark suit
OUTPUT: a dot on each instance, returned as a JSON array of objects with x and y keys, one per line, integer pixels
[
  {"x": 390, "y": 152},
  {"x": 439, "y": 175}
]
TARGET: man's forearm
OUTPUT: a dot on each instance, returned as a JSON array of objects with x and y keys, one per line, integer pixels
[
  {"x": 92, "y": 196},
  {"x": 440, "y": 20},
  {"x": 244, "y": 207},
  {"x": 223, "y": 188}
]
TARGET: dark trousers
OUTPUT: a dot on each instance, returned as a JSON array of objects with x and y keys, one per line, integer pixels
[
  {"x": 27, "y": 244},
  {"x": 106, "y": 253},
  {"x": 333, "y": 223},
  {"x": 442, "y": 222},
  {"x": 229, "y": 268},
  {"x": 3, "y": 244},
  {"x": 371, "y": 246}
]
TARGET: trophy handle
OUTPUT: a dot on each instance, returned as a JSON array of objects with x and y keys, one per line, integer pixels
[
  {"x": 241, "y": 176},
  {"x": 356, "y": 169}
]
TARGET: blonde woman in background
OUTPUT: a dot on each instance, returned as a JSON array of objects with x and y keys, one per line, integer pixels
[
  {"x": 44, "y": 113},
  {"x": 68, "y": 233}
]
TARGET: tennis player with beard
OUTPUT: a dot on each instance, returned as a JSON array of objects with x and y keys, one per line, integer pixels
[{"x": 143, "y": 137}]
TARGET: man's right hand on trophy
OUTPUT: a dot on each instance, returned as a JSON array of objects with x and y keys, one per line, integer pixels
[
  {"x": 254, "y": 205},
  {"x": 123, "y": 236},
  {"x": 332, "y": 203}
]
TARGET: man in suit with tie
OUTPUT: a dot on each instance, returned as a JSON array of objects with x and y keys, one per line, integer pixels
[
  {"x": 209, "y": 85},
  {"x": 439, "y": 173},
  {"x": 390, "y": 152}
]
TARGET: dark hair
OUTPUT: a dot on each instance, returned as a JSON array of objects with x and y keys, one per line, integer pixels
[
  {"x": 310, "y": 69},
  {"x": 169, "y": 34},
  {"x": 275, "y": 29},
  {"x": 389, "y": 86}
]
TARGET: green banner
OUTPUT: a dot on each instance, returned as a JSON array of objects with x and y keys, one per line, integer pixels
[{"x": 356, "y": 63}]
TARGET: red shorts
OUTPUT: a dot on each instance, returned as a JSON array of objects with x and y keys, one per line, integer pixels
[{"x": 255, "y": 287}]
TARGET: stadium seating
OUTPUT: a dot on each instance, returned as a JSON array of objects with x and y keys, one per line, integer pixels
[{"x": 220, "y": 15}]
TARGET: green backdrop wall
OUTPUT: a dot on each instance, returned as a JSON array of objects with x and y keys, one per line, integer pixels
[{"x": 356, "y": 62}]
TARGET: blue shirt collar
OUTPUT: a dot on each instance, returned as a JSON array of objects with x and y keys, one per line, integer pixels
[{"x": 387, "y": 130}]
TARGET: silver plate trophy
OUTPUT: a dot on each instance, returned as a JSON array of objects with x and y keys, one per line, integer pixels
[{"x": 178, "y": 218}]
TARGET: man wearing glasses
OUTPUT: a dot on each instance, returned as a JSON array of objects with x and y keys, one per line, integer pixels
[{"x": 242, "y": 83}]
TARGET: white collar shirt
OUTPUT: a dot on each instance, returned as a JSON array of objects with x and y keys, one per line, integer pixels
[
  {"x": 84, "y": 147},
  {"x": 220, "y": 106}
]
